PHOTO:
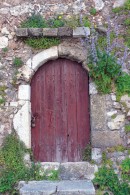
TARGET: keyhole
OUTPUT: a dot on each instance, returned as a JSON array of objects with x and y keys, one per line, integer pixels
[{"x": 68, "y": 135}]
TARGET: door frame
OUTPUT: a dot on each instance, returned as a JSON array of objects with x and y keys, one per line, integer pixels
[{"x": 22, "y": 119}]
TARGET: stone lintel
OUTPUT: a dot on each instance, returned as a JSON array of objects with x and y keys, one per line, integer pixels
[{"x": 53, "y": 32}]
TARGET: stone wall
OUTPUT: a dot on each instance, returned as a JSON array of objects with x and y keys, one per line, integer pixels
[{"x": 107, "y": 120}]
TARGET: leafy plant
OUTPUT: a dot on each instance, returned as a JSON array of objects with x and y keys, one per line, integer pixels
[
  {"x": 125, "y": 167},
  {"x": 93, "y": 11},
  {"x": 123, "y": 84},
  {"x": 34, "y": 21},
  {"x": 42, "y": 43},
  {"x": 5, "y": 49},
  {"x": 14, "y": 168},
  {"x": 127, "y": 128},
  {"x": 105, "y": 72},
  {"x": 87, "y": 153},
  {"x": 127, "y": 22},
  {"x": 17, "y": 62},
  {"x": 106, "y": 179}
]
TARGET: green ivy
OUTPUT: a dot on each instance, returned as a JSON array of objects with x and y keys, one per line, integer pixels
[
  {"x": 42, "y": 43},
  {"x": 106, "y": 179}
]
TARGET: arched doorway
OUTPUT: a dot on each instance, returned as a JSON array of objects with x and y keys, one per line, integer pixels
[{"x": 60, "y": 111}]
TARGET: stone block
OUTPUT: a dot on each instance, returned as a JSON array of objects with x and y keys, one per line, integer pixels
[
  {"x": 97, "y": 155},
  {"x": 3, "y": 42},
  {"x": 24, "y": 92},
  {"x": 39, "y": 187},
  {"x": 65, "y": 32},
  {"x": 98, "y": 112},
  {"x": 50, "y": 32},
  {"x": 25, "y": 73},
  {"x": 75, "y": 188},
  {"x": 22, "y": 32},
  {"x": 92, "y": 89},
  {"x": 36, "y": 32},
  {"x": 103, "y": 139},
  {"x": 22, "y": 124},
  {"x": 73, "y": 53},
  {"x": 81, "y": 32},
  {"x": 42, "y": 57},
  {"x": 77, "y": 170}
]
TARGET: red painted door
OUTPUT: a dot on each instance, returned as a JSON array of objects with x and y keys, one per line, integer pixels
[{"x": 60, "y": 111}]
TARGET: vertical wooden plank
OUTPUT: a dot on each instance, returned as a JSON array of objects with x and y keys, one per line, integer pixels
[
  {"x": 82, "y": 109},
  {"x": 58, "y": 109},
  {"x": 71, "y": 103}
]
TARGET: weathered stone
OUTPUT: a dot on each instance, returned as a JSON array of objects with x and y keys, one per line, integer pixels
[
  {"x": 92, "y": 89},
  {"x": 24, "y": 92},
  {"x": 39, "y": 187},
  {"x": 4, "y": 31},
  {"x": 77, "y": 170},
  {"x": 81, "y": 32},
  {"x": 97, "y": 155},
  {"x": 22, "y": 124},
  {"x": 98, "y": 112},
  {"x": 75, "y": 188},
  {"x": 36, "y": 32},
  {"x": 48, "y": 166},
  {"x": 99, "y": 4},
  {"x": 101, "y": 29},
  {"x": 21, "y": 9},
  {"x": 65, "y": 32},
  {"x": 113, "y": 97},
  {"x": 117, "y": 122},
  {"x": 50, "y": 32},
  {"x": 105, "y": 139},
  {"x": 112, "y": 113},
  {"x": 25, "y": 73},
  {"x": 128, "y": 114},
  {"x": 14, "y": 104},
  {"x": 3, "y": 42},
  {"x": 72, "y": 53},
  {"x": 22, "y": 32},
  {"x": 126, "y": 100},
  {"x": 42, "y": 57},
  {"x": 119, "y": 3},
  {"x": 57, "y": 188}
]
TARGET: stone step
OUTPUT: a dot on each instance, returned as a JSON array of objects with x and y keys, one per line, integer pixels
[{"x": 77, "y": 187}]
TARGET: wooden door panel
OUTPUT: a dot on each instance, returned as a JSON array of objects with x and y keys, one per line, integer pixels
[{"x": 60, "y": 103}]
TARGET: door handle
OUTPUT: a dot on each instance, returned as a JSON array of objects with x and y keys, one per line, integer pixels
[{"x": 33, "y": 119}]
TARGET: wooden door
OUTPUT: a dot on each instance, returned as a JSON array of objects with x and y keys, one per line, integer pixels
[{"x": 60, "y": 111}]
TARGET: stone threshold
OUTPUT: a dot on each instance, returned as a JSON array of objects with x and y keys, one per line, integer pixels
[
  {"x": 71, "y": 170},
  {"x": 77, "y": 32},
  {"x": 83, "y": 187}
]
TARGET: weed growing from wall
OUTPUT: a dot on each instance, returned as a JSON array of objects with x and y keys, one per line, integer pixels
[
  {"x": 14, "y": 168},
  {"x": 106, "y": 179}
]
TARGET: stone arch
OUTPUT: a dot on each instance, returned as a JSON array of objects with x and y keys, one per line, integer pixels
[
  {"x": 22, "y": 119},
  {"x": 72, "y": 52}
]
